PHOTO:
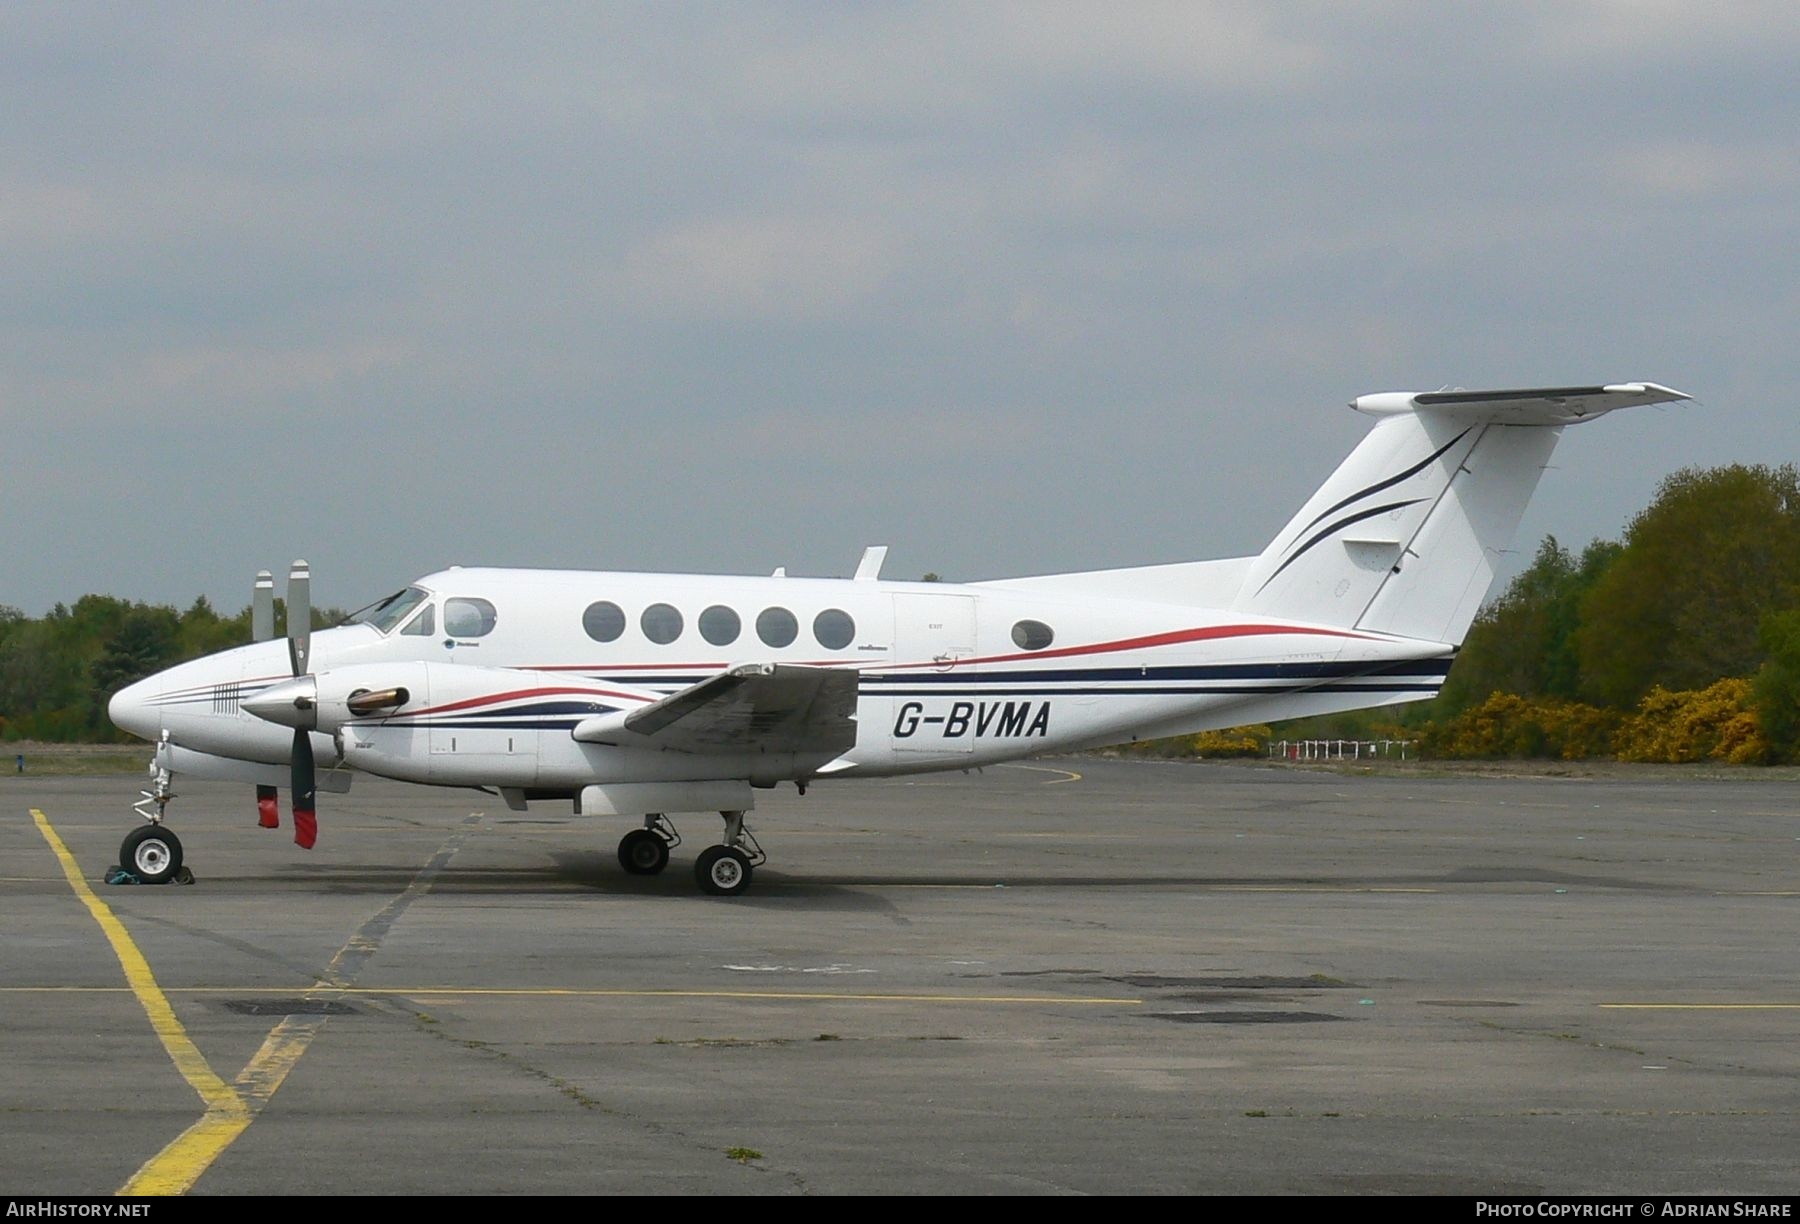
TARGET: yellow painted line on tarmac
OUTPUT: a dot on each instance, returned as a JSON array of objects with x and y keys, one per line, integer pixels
[
  {"x": 1080, "y": 835},
  {"x": 230, "y": 1108},
  {"x": 1002, "y": 886},
  {"x": 551, "y": 992},
  {"x": 798, "y": 996},
  {"x": 902, "y": 884},
  {"x": 180, "y": 1164},
  {"x": 1068, "y": 775},
  {"x": 1311, "y": 888},
  {"x": 1699, "y": 1006}
]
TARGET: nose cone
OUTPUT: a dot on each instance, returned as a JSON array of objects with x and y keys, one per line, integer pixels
[
  {"x": 292, "y": 703},
  {"x": 135, "y": 708}
]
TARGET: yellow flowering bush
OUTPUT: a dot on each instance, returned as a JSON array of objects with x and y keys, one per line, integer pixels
[{"x": 1715, "y": 723}]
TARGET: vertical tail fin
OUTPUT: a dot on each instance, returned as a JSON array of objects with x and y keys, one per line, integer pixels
[{"x": 1404, "y": 536}]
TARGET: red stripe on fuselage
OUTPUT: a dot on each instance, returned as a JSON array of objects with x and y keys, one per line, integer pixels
[
  {"x": 1173, "y": 638},
  {"x": 520, "y": 694}
]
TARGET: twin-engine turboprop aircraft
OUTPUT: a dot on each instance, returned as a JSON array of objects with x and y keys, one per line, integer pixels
[{"x": 638, "y": 695}]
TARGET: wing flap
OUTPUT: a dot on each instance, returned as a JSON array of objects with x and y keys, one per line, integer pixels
[{"x": 753, "y": 707}]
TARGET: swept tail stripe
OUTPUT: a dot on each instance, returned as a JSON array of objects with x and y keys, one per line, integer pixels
[
  {"x": 1391, "y": 481},
  {"x": 1337, "y": 526}
]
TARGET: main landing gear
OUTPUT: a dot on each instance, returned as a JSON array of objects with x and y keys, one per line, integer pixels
[
  {"x": 645, "y": 851},
  {"x": 723, "y": 870}
]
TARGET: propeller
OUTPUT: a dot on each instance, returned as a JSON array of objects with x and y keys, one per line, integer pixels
[
  {"x": 299, "y": 637},
  {"x": 262, "y": 629}
]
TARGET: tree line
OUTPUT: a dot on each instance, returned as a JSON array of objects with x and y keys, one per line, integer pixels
[
  {"x": 57, "y": 671},
  {"x": 1680, "y": 641}
]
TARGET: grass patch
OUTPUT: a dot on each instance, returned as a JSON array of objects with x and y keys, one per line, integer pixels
[{"x": 72, "y": 760}]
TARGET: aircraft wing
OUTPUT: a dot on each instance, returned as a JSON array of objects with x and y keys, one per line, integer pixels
[{"x": 754, "y": 707}]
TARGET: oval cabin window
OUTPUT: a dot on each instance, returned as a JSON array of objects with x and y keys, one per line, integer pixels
[
  {"x": 604, "y": 621},
  {"x": 777, "y": 627},
  {"x": 834, "y": 628},
  {"x": 720, "y": 625},
  {"x": 661, "y": 623}
]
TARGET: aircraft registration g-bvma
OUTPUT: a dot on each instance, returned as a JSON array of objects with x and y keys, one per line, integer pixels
[{"x": 642, "y": 694}]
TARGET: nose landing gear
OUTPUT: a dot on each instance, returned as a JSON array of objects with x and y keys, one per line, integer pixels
[{"x": 152, "y": 852}]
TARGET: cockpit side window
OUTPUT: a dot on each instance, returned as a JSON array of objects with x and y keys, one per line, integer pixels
[
  {"x": 384, "y": 614},
  {"x": 468, "y": 618},
  {"x": 422, "y": 625}
]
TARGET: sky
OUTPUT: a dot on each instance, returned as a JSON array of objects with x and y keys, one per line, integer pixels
[{"x": 1013, "y": 288}]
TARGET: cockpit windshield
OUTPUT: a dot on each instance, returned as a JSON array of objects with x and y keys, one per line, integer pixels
[{"x": 384, "y": 614}]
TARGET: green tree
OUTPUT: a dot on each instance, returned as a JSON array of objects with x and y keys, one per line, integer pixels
[
  {"x": 143, "y": 643},
  {"x": 203, "y": 631},
  {"x": 1682, "y": 604},
  {"x": 1524, "y": 642},
  {"x": 1776, "y": 693}
]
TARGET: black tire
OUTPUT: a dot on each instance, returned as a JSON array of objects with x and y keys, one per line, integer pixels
[
  {"x": 151, "y": 853},
  {"x": 723, "y": 871},
  {"x": 642, "y": 852}
]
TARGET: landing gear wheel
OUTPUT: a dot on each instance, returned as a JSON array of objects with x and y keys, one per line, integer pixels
[
  {"x": 642, "y": 852},
  {"x": 723, "y": 871},
  {"x": 151, "y": 853}
]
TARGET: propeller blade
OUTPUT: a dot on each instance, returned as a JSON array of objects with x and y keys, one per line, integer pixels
[
  {"x": 262, "y": 629},
  {"x": 304, "y": 714},
  {"x": 299, "y": 616},
  {"x": 306, "y": 821},
  {"x": 262, "y": 607}
]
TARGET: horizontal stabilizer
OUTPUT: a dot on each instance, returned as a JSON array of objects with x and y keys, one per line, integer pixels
[
  {"x": 1404, "y": 537},
  {"x": 1527, "y": 406}
]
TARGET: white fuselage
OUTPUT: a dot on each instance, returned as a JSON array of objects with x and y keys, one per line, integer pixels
[{"x": 949, "y": 676}]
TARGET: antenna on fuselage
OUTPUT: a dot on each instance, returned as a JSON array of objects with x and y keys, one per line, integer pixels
[{"x": 869, "y": 568}]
